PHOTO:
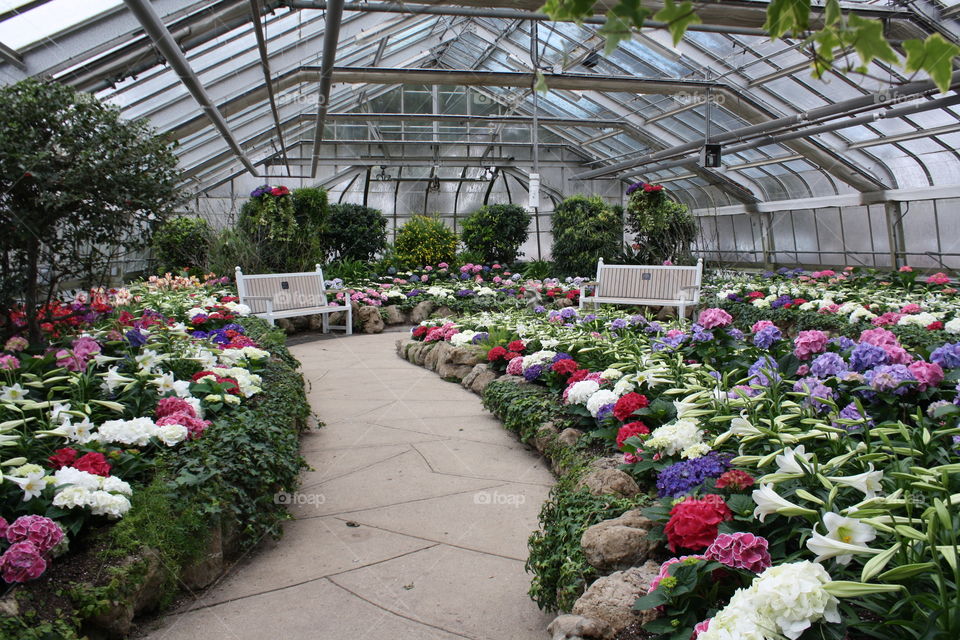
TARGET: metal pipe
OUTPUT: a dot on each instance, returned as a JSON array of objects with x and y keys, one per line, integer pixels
[
  {"x": 331, "y": 37},
  {"x": 168, "y": 47},
  {"x": 256, "y": 9},
  {"x": 838, "y": 109},
  {"x": 763, "y": 141}
]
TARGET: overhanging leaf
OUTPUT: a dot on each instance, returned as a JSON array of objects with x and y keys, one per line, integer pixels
[
  {"x": 935, "y": 56},
  {"x": 787, "y": 16},
  {"x": 678, "y": 17}
]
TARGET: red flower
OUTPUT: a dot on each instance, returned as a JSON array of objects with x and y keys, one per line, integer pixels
[
  {"x": 62, "y": 458},
  {"x": 735, "y": 479},
  {"x": 279, "y": 191},
  {"x": 694, "y": 523},
  {"x": 799, "y": 301},
  {"x": 754, "y": 295},
  {"x": 935, "y": 326},
  {"x": 629, "y": 403},
  {"x": 578, "y": 375},
  {"x": 516, "y": 345},
  {"x": 173, "y": 404},
  {"x": 496, "y": 353},
  {"x": 510, "y": 355},
  {"x": 564, "y": 367},
  {"x": 94, "y": 463},
  {"x": 629, "y": 430},
  {"x": 201, "y": 374},
  {"x": 419, "y": 331}
]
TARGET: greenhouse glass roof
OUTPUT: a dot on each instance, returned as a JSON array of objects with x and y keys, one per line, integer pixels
[{"x": 452, "y": 86}]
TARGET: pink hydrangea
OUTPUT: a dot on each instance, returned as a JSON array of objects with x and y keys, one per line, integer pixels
[
  {"x": 665, "y": 569},
  {"x": 3, "y": 527},
  {"x": 740, "y": 551},
  {"x": 938, "y": 278},
  {"x": 928, "y": 374},
  {"x": 515, "y": 367},
  {"x": 826, "y": 273},
  {"x": 701, "y": 627},
  {"x": 21, "y": 562},
  {"x": 808, "y": 343},
  {"x": 173, "y": 404},
  {"x": 913, "y": 307},
  {"x": 713, "y": 318},
  {"x": 761, "y": 324},
  {"x": 16, "y": 344},
  {"x": 434, "y": 334},
  {"x": 8, "y": 363},
  {"x": 195, "y": 426},
  {"x": 42, "y": 532},
  {"x": 905, "y": 269},
  {"x": 887, "y": 319}
]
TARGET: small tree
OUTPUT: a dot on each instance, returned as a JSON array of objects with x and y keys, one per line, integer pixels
[
  {"x": 425, "y": 240},
  {"x": 664, "y": 229},
  {"x": 182, "y": 243},
  {"x": 584, "y": 230},
  {"x": 496, "y": 232},
  {"x": 355, "y": 232},
  {"x": 79, "y": 186}
]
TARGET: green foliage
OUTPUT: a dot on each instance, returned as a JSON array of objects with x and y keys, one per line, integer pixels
[
  {"x": 81, "y": 186},
  {"x": 283, "y": 242},
  {"x": 425, "y": 240},
  {"x": 560, "y": 569},
  {"x": 29, "y": 626},
  {"x": 232, "y": 248},
  {"x": 355, "y": 232},
  {"x": 585, "y": 229},
  {"x": 664, "y": 229},
  {"x": 182, "y": 243},
  {"x": 348, "y": 270},
  {"x": 495, "y": 232},
  {"x": 310, "y": 208},
  {"x": 785, "y": 18},
  {"x": 524, "y": 409},
  {"x": 538, "y": 270}
]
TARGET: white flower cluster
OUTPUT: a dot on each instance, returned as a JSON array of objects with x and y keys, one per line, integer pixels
[
  {"x": 599, "y": 400},
  {"x": 783, "y": 601},
  {"x": 104, "y": 496},
  {"x": 581, "y": 391},
  {"x": 683, "y": 436},
  {"x": 237, "y": 308},
  {"x": 138, "y": 432},
  {"x": 249, "y": 383},
  {"x": 233, "y": 357},
  {"x": 918, "y": 319},
  {"x": 463, "y": 338},
  {"x": 538, "y": 357},
  {"x": 438, "y": 292}
]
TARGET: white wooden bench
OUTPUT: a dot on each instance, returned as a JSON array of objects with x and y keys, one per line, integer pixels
[
  {"x": 659, "y": 285},
  {"x": 284, "y": 295}
]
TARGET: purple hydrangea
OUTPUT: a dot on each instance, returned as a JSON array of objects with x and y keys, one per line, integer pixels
[
  {"x": 827, "y": 365},
  {"x": 463, "y": 293},
  {"x": 590, "y": 317},
  {"x": 867, "y": 356},
  {"x": 895, "y": 378},
  {"x": 654, "y": 327},
  {"x": 816, "y": 392},
  {"x": 843, "y": 342},
  {"x": 765, "y": 337},
  {"x": 782, "y": 301},
  {"x": 734, "y": 297},
  {"x": 764, "y": 372},
  {"x": 683, "y": 477},
  {"x": 480, "y": 337},
  {"x": 619, "y": 323},
  {"x": 735, "y": 333},
  {"x": 568, "y": 312},
  {"x": 605, "y": 412},
  {"x": 638, "y": 319},
  {"x": 562, "y": 356},
  {"x": 540, "y": 309},
  {"x": 699, "y": 334},
  {"x": 533, "y": 372},
  {"x": 947, "y": 356},
  {"x": 137, "y": 339},
  {"x": 851, "y": 412}
]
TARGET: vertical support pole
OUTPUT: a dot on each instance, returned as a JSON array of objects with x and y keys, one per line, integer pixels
[
  {"x": 894, "y": 233},
  {"x": 767, "y": 239},
  {"x": 535, "y": 126}
]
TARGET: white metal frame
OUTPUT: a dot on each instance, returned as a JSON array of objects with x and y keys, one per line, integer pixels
[
  {"x": 272, "y": 315},
  {"x": 682, "y": 302}
]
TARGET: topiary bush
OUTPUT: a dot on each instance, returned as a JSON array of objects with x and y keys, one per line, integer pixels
[
  {"x": 664, "y": 229},
  {"x": 182, "y": 243},
  {"x": 354, "y": 232},
  {"x": 285, "y": 227},
  {"x": 495, "y": 232},
  {"x": 425, "y": 240},
  {"x": 585, "y": 229}
]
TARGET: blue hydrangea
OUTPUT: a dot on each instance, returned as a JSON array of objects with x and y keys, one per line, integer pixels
[
  {"x": 590, "y": 317},
  {"x": 767, "y": 336},
  {"x": 782, "y": 301},
  {"x": 843, "y": 342},
  {"x": 816, "y": 392},
  {"x": 568, "y": 312},
  {"x": 947, "y": 356},
  {"x": 532, "y": 372},
  {"x": 851, "y": 412},
  {"x": 619, "y": 323},
  {"x": 684, "y": 477},
  {"x": 867, "y": 356},
  {"x": 539, "y": 309},
  {"x": 734, "y": 297},
  {"x": 699, "y": 334},
  {"x": 827, "y": 365},
  {"x": 638, "y": 319},
  {"x": 605, "y": 412},
  {"x": 735, "y": 333},
  {"x": 894, "y": 378},
  {"x": 137, "y": 339},
  {"x": 764, "y": 372},
  {"x": 562, "y": 356},
  {"x": 654, "y": 327},
  {"x": 480, "y": 337}
]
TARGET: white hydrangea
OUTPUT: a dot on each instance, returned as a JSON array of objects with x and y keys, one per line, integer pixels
[
  {"x": 77, "y": 478},
  {"x": 581, "y": 391},
  {"x": 808, "y": 306},
  {"x": 624, "y": 386},
  {"x": 134, "y": 432},
  {"x": 917, "y": 319},
  {"x": 860, "y": 313},
  {"x": 113, "y": 484},
  {"x": 674, "y": 438},
  {"x": 538, "y": 357},
  {"x": 195, "y": 311},
  {"x": 599, "y": 400},
  {"x": 172, "y": 434},
  {"x": 102, "y": 503},
  {"x": 463, "y": 338},
  {"x": 611, "y": 374},
  {"x": 761, "y": 303},
  {"x": 71, "y": 498},
  {"x": 438, "y": 292},
  {"x": 486, "y": 291},
  {"x": 695, "y": 451}
]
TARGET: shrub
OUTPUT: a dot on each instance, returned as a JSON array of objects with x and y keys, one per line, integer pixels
[
  {"x": 182, "y": 243},
  {"x": 496, "y": 232},
  {"x": 230, "y": 249},
  {"x": 285, "y": 227},
  {"x": 585, "y": 229},
  {"x": 664, "y": 229},
  {"x": 425, "y": 240},
  {"x": 355, "y": 232}
]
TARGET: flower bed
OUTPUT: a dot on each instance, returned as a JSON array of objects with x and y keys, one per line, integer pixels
[
  {"x": 808, "y": 480},
  {"x": 146, "y": 442}
]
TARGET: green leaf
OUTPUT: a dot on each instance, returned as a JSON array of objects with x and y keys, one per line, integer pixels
[
  {"x": 935, "y": 56},
  {"x": 615, "y": 30},
  {"x": 678, "y": 18},
  {"x": 787, "y": 16},
  {"x": 653, "y": 599},
  {"x": 832, "y": 13},
  {"x": 866, "y": 37},
  {"x": 575, "y": 10}
]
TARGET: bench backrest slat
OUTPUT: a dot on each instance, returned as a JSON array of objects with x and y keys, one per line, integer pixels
[
  {"x": 287, "y": 290},
  {"x": 658, "y": 282}
]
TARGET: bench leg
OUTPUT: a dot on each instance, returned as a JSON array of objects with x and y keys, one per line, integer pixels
[
  {"x": 350, "y": 320},
  {"x": 325, "y": 322}
]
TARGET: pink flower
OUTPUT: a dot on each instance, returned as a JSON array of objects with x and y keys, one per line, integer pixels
[
  {"x": 938, "y": 278},
  {"x": 195, "y": 426},
  {"x": 928, "y": 374},
  {"x": 428, "y": 268},
  {"x": 515, "y": 367},
  {"x": 701, "y": 627},
  {"x": 740, "y": 551},
  {"x": 761, "y": 324},
  {"x": 40, "y": 531},
  {"x": 443, "y": 265},
  {"x": 808, "y": 343},
  {"x": 714, "y": 318},
  {"x": 803, "y": 370},
  {"x": 171, "y": 405},
  {"x": 879, "y": 338},
  {"x": 889, "y": 318},
  {"x": 15, "y": 344},
  {"x": 3, "y": 527},
  {"x": 22, "y": 562},
  {"x": 668, "y": 263},
  {"x": 913, "y": 307},
  {"x": 905, "y": 269},
  {"x": 8, "y": 363},
  {"x": 86, "y": 348},
  {"x": 826, "y": 273},
  {"x": 665, "y": 569},
  {"x": 629, "y": 458}
]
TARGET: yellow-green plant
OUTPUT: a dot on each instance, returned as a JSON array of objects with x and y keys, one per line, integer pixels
[{"x": 425, "y": 240}]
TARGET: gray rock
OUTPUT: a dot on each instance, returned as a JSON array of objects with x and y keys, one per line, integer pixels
[
  {"x": 470, "y": 377},
  {"x": 545, "y": 437},
  {"x": 9, "y": 607},
  {"x": 442, "y": 353},
  {"x": 300, "y": 323},
  {"x": 337, "y": 317},
  {"x": 370, "y": 320},
  {"x": 117, "y": 620},
  {"x": 609, "y": 482},
  {"x": 287, "y": 326},
  {"x": 483, "y": 379},
  {"x": 569, "y": 436},
  {"x": 315, "y": 322},
  {"x": 418, "y": 353},
  {"x": 422, "y": 311},
  {"x": 619, "y": 543},
  {"x": 568, "y": 627},
  {"x": 401, "y": 347},
  {"x": 611, "y": 598},
  {"x": 560, "y": 303},
  {"x": 468, "y": 355},
  {"x": 444, "y": 312},
  {"x": 394, "y": 315},
  {"x": 666, "y": 313},
  {"x": 607, "y": 462},
  {"x": 208, "y": 567},
  {"x": 451, "y": 371}
]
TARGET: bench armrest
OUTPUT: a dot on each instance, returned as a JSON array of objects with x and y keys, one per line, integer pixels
[
  {"x": 270, "y": 298},
  {"x": 690, "y": 286}
]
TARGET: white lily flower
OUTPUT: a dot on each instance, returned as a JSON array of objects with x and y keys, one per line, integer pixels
[
  {"x": 32, "y": 484},
  {"x": 845, "y": 538},
  {"x": 769, "y": 501},
  {"x": 112, "y": 379},
  {"x": 787, "y": 461},
  {"x": 868, "y": 482},
  {"x": 15, "y": 394}
]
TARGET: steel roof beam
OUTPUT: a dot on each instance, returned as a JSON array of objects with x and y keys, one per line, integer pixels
[
  {"x": 256, "y": 9},
  {"x": 331, "y": 37},
  {"x": 168, "y": 47}
]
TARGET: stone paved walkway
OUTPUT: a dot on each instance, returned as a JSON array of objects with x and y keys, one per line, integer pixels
[{"x": 412, "y": 524}]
